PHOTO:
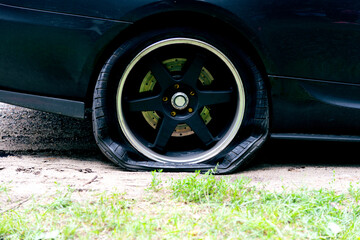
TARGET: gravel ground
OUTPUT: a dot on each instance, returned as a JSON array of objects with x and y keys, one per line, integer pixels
[{"x": 39, "y": 151}]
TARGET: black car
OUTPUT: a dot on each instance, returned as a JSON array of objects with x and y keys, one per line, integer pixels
[{"x": 187, "y": 84}]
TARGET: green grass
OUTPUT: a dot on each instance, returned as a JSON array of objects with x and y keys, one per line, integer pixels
[
  {"x": 195, "y": 207},
  {"x": 155, "y": 184}
]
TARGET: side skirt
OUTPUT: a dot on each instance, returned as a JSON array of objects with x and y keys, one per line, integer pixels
[
  {"x": 314, "y": 137},
  {"x": 47, "y": 104}
]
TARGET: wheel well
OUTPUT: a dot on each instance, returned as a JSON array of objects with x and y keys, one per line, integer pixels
[{"x": 177, "y": 19}]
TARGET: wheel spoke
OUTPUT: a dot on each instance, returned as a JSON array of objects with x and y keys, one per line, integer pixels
[
  {"x": 193, "y": 72},
  {"x": 146, "y": 104},
  {"x": 161, "y": 74},
  {"x": 167, "y": 127},
  {"x": 197, "y": 124},
  {"x": 207, "y": 98}
]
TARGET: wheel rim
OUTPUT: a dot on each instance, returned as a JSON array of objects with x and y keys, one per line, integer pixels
[{"x": 178, "y": 101}]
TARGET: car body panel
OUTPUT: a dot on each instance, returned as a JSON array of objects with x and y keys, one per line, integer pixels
[
  {"x": 314, "y": 107},
  {"x": 50, "y": 54},
  {"x": 311, "y": 39},
  {"x": 323, "y": 30},
  {"x": 309, "y": 50}
]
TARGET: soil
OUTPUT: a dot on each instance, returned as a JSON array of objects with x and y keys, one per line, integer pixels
[{"x": 40, "y": 151}]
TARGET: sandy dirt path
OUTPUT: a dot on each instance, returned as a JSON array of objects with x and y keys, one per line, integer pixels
[{"x": 40, "y": 151}]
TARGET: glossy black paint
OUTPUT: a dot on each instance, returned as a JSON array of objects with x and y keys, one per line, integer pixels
[
  {"x": 315, "y": 107},
  {"x": 50, "y": 54},
  {"x": 308, "y": 49}
]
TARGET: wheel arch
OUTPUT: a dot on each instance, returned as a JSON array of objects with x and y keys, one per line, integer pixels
[
  {"x": 239, "y": 152},
  {"x": 233, "y": 28}
]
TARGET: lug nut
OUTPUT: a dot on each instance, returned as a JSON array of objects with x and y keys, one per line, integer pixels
[
  {"x": 173, "y": 113},
  {"x": 190, "y": 110},
  {"x": 165, "y": 99},
  {"x": 176, "y": 86}
]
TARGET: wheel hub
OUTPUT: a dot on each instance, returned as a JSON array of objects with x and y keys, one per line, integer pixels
[
  {"x": 175, "y": 66},
  {"x": 179, "y": 101}
]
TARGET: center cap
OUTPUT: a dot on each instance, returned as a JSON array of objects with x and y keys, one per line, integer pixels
[{"x": 179, "y": 101}]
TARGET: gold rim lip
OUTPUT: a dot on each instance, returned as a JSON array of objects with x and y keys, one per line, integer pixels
[{"x": 195, "y": 158}]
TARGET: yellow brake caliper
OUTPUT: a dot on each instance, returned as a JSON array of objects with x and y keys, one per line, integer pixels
[{"x": 175, "y": 66}]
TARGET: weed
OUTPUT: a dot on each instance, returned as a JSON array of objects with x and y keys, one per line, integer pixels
[{"x": 156, "y": 181}]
